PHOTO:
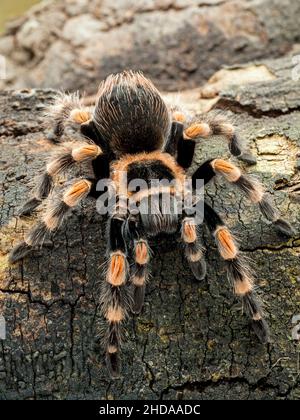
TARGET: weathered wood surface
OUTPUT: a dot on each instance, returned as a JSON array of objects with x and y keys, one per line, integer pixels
[
  {"x": 191, "y": 340},
  {"x": 72, "y": 44}
]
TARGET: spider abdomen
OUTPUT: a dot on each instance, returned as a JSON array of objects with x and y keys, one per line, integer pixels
[{"x": 131, "y": 114}]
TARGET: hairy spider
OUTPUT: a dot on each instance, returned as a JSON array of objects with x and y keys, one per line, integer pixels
[{"x": 131, "y": 130}]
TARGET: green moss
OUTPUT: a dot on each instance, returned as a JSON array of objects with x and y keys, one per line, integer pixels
[
  {"x": 163, "y": 336},
  {"x": 145, "y": 327}
]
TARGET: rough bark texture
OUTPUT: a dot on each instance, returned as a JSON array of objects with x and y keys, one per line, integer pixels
[
  {"x": 75, "y": 43},
  {"x": 191, "y": 340}
]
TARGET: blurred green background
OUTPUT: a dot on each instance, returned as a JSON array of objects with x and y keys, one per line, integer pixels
[{"x": 13, "y": 8}]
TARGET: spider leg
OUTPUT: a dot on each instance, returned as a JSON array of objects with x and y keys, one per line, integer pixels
[
  {"x": 175, "y": 137},
  {"x": 67, "y": 108},
  {"x": 238, "y": 271},
  {"x": 64, "y": 157},
  {"x": 253, "y": 190},
  {"x": 140, "y": 273},
  {"x": 183, "y": 149},
  {"x": 193, "y": 248},
  {"x": 115, "y": 297},
  {"x": 204, "y": 128},
  {"x": 218, "y": 125},
  {"x": 141, "y": 256},
  {"x": 56, "y": 210}
]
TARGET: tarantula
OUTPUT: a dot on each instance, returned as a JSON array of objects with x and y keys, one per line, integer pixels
[{"x": 131, "y": 130}]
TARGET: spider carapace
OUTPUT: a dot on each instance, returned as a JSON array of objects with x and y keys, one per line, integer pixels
[{"x": 132, "y": 131}]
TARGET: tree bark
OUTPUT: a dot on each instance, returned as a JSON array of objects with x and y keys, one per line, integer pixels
[
  {"x": 75, "y": 43},
  {"x": 191, "y": 340}
]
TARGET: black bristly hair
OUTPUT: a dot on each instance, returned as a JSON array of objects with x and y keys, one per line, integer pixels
[
  {"x": 132, "y": 130},
  {"x": 152, "y": 169},
  {"x": 131, "y": 114}
]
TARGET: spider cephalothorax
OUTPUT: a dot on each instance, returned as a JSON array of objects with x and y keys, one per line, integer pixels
[{"x": 132, "y": 132}]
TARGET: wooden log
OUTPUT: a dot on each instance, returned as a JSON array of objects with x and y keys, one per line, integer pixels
[{"x": 191, "y": 340}]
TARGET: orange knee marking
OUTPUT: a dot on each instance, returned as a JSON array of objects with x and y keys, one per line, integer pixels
[
  {"x": 50, "y": 221},
  {"x": 227, "y": 129},
  {"x": 75, "y": 193},
  {"x": 243, "y": 287},
  {"x": 257, "y": 317},
  {"x": 179, "y": 116},
  {"x": 80, "y": 116},
  {"x": 226, "y": 245},
  {"x": 257, "y": 193},
  {"x": 223, "y": 166},
  {"x": 189, "y": 232},
  {"x": 112, "y": 349},
  {"x": 197, "y": 130},
  {"x": 116, "y": 274},
  {"x": 89, "y": 151},
  {"x": 231, "y": 172},
  {"x": 139, "y": 280},
  {"x": 141, "y": 253},
  {"x": 115, "y": 314},
  {"x": 52, "y": 168},
  {"x": 196, "y": 256}
]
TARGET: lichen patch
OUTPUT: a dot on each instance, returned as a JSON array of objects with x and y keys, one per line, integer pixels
[{"x": 276, "y": 154}]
